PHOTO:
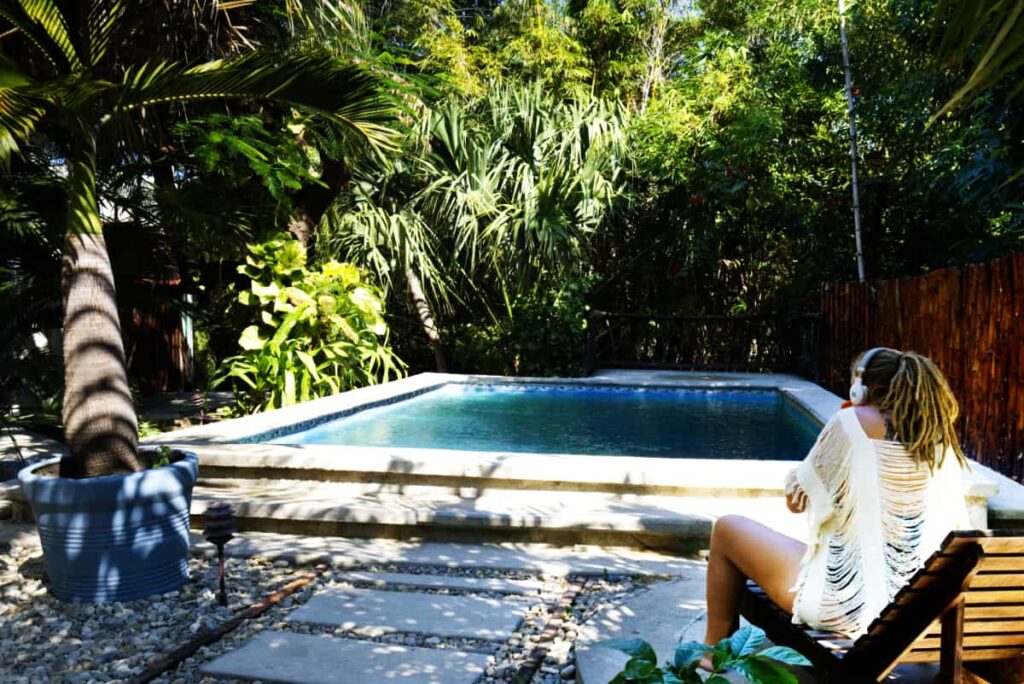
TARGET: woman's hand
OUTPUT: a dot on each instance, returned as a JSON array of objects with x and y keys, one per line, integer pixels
[
  {"x": 796, "y": 497},
  {"x": 797, "y": 501}
]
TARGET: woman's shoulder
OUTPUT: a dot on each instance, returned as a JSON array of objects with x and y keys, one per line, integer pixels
[{"x": 872, "y": 421}]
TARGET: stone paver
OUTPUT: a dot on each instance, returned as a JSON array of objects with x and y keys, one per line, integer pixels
[
  {"x": 545, "y": 559},
  {"x": 665, "y": 615},
  {"x": 314, "y": 659},
  {"x": 378, "y": 612},
  {"x": 456, "y": 582}
]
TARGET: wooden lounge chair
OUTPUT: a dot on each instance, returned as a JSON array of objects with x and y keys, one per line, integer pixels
[{"x": 965, "y": 605}]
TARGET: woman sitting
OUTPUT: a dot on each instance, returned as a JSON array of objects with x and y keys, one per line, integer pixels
[{"x": 882, "y": 487}]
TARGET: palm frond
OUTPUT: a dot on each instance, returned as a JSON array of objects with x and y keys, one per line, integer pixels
[
  {"x": 46, "y": 27},
  {"x": 104, "y": 21},
  {"x": 337, "y": 26},
  {"x": 995, "y": 29},
  {"x": 345, "y": 93},
  {"x": 20, "y": 111}
]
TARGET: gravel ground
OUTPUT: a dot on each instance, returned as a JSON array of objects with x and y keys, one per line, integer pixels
[{"x": 43, "y": 640}]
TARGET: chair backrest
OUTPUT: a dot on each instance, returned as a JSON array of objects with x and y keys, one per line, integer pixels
[{"x": 986, "y": 569}]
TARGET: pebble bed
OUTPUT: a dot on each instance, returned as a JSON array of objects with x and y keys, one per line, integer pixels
[{"x": 44, "y": 640}]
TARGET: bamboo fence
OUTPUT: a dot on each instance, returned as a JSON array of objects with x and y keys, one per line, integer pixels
[{"x": 969, "y": 321}]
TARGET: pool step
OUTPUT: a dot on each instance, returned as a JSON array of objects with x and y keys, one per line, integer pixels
[
  {"x": 512, "y": 471},
  {"x": 678, "y": 524}
]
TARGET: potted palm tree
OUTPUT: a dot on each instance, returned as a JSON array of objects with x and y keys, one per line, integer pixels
[{"x": 113, "y": 526}]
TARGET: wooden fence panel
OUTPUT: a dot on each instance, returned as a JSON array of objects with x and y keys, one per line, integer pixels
[{"x": 970, "y": 321}]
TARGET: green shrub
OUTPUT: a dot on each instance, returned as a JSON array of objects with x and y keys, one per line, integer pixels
[
  {"x": 318, "y": 332},
  {"x": 543, "y": 334},
  {"x": 740, "y": 653}
]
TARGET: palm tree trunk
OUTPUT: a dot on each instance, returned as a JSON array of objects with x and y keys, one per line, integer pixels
[
  {"x": 422, "y": 307},
  {"x": 99, "y": 416}
]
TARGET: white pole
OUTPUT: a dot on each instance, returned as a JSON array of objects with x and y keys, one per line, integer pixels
[{"x": 853, "y": 141}]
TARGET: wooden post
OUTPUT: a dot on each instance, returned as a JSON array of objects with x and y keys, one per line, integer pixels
[{"x": 952, "y": 644}]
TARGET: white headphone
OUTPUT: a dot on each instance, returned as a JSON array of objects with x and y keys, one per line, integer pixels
[{"x": 858, "y": 392}]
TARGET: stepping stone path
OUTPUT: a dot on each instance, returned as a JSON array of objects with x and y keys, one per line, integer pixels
[
  {"x": 378, "y": 612},
  {"x": 302, "y": 658},
  {"x": 297, "y": 658},
  {"x": 490, "y": 584}
]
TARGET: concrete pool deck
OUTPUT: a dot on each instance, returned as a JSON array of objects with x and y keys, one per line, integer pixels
[
  {"x": 503, "y": 496},
  {"x": 447, "y": 493}
]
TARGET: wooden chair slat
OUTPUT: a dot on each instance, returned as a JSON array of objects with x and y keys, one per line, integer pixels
[
  {"x": 970, "y": 654},
  {"x": 976, "y": 641},
  {"x": 983, "y": 580},
  {"x": 984, "y": 626},
  {"x": 998, "y": 580},
  {"x": 1003, "y": 564},
  {"x": 1008, "y": 563},
  {"x": 1006, "y": 610},
  {"x": 994, "y": 545},
  {"x": 990, "y": 596}
]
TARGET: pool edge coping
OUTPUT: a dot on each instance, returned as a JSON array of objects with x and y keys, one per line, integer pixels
[{"x": 220, "y": 444}]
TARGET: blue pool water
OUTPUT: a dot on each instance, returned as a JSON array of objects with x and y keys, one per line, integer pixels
[{"x": 575, "y": 419}]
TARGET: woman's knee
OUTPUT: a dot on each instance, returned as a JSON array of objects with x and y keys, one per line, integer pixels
[{"x": 726, "y": 529}]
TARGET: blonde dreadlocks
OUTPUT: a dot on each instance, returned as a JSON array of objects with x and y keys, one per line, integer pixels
[{"x": 915, "y": 393}]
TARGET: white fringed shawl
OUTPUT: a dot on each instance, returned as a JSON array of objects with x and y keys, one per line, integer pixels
[{"x": 874, "y": 517}]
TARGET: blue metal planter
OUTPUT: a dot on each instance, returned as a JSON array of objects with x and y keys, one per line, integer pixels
[{"x": 114, "y": 538}]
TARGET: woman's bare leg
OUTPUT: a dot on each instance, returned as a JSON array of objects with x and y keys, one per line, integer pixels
[{"x": 742, "y": 548}]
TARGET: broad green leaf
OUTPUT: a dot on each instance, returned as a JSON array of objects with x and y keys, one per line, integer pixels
[
  {"x": 746, "y": 640},
  {"x": 689, "y": 653},
  {"x": 289, "y": 388},
  {"x": 636, "y": 648},
  {"x": 639, "y": 668},
  {"x": 784, "y": 654},
  {"x": 308, "y": 362},
  {"x": 297, "y": 296},
  {"x": 261, "y": 290},
  {"x": 349, "y": 331},
  {"x": 764, "y": 671},
  {"x": 250, "y": 339}
]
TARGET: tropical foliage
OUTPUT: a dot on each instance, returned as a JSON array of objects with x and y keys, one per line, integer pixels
[
  {"x": 318, "y": 333},
  {"x": 73, "y": 75},
  {"x": 495, "y": 168},
  {"x": 743, "y": 653}
]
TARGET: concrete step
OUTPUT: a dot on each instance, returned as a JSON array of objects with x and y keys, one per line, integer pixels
[
  {"x": 493, "y": 470},
  {"x": 677, "y": 524},
  {"x": 315, "y": 659},
  {"x": 494, "y": 585},
  {"x": 371, "y": 613}
]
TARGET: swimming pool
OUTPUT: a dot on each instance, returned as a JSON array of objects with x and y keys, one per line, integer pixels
[{"x": 574, "y": 419}]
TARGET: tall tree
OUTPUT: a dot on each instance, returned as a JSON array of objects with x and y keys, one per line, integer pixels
[{"x": 58, "y": 70}]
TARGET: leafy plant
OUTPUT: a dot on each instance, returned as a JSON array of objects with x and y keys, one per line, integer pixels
[
  {"x": 740, "y": 653},
  {"x": 542, "y": 333},
  {"x": 162, "y": 456},
  {"x": 319, "y": 332}
]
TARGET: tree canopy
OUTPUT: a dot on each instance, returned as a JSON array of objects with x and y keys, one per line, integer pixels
[{"x": 548, "y": 156}]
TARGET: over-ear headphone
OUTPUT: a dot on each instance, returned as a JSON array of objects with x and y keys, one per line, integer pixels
[{"x": 858, "y": 392}]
